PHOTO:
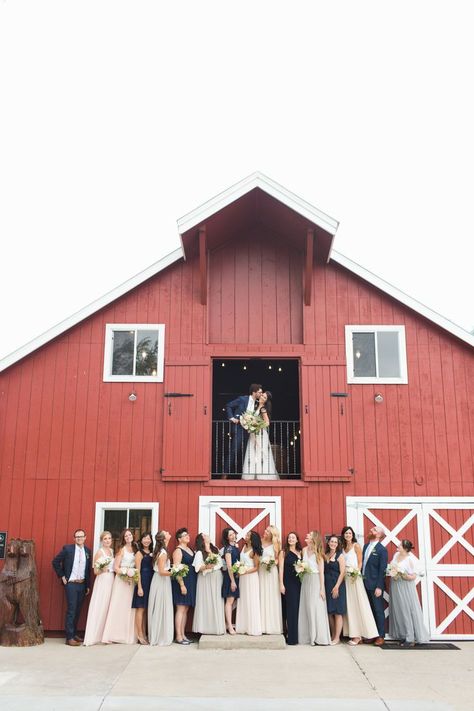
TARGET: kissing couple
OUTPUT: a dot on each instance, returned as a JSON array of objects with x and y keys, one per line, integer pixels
[{"x": 258, "y": 462}]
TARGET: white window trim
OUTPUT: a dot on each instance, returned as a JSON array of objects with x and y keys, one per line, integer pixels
[
  {"x": 120, "y": 505},
  {"x": 108, "y": 353},
  {"x": 369, "y": 328}
]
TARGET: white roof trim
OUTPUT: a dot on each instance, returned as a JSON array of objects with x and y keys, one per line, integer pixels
[
  {"x": 413, "y": 304},
  {"x": 257, "y": 180},
  {"x": 91, "y": 309}
]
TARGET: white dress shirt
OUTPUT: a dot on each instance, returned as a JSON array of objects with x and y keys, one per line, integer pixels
[
  {"x": 78, "y": 571},
  {"x": 368, "y": 551}
]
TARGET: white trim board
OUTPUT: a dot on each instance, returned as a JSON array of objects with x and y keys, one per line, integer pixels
[{"x": 120, "y": 505}]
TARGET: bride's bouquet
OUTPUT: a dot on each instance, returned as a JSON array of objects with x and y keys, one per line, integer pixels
[
  {"x": 268, "y": 562},
  {"x": 180, "y": 570},
  {"x": 252, "y": 422},
  {"x": 301, "y": 568},
  {"x": 102, "y": 563},
  {"x": 129, "y": 575},
  {"x": 353, "y": 573}
]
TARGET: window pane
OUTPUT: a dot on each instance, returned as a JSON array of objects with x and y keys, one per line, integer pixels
[
  {"x": 147, "y": 353},
  {"x": 115, "y": 520},
  {"x": 122, "y": 360},
  {"x": 363, "y": 345},
  {"x": 388, "y": 354},
  {"x": 139, "y": 521}
]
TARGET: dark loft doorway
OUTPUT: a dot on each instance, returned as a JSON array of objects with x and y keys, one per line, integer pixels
[{"x": 231, "y": 379}]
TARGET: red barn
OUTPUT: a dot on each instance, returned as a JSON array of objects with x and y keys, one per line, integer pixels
[{"x": 117, "y": 416}]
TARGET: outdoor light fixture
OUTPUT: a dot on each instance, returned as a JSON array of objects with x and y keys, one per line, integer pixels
[
  {"x": 132, "y": 397},
  {"x": 357, "y": 354},
  {"x": 378, "y": 397}
]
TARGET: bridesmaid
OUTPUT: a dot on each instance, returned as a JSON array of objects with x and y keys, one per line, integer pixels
[
  {"x": 209, "y": 610},
  {"x": 270, "y": 598},
  {"x": 184, "y": 589},
  {"x": 290, "y": 585},
  {"x": 313, "y": 624},
  {"x": 120, "y": 623},
  {"x": 334, "y": 573},
  {"x": 160, "y": 600},
  {"x": 359, "y": 620},
  {"x": 248, "y": 607},
  {"x": 144, "y": 565},
  {"x": 405, "y": 615},
  {"x": 230, "y": 583},
  {"x": 101, "y": 593}
]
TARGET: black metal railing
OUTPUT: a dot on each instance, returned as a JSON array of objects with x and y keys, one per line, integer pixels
[{"x": 272, "y": 454}]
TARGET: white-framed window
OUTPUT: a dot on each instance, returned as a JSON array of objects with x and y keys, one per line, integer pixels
[
  {"x": 134, "y": 352},
  {"x": 114, "y": 516},
  {"x": 376, "y": 354}
]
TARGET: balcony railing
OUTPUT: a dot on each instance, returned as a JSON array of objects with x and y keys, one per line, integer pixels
[{"x": 274, "y": 454}]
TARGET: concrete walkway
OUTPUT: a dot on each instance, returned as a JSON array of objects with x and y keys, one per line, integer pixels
[{"x": 116, "y": 677}]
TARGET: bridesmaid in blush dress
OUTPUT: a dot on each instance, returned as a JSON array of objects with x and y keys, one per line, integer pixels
[
  {"x": 334, "y": 574},
  {"x": 120, "y": 623},
  {"x": 359, "y": 620},
  {"x": 270, "y": 598},
  {"x": 160, "y": 600},
  {"x": 313, "y": 623},
  {"x": 102, "y": 591},
  {"x": 184, "y": 589},
  {"x": 144, "y": 565},
  {"x": 248, "y": 607},
  {"x": 209, "y": 609},
  {"x": 290, "y": 585},
  {"x": 230, "y": 582}
]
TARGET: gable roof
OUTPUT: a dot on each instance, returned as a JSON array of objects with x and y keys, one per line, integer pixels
[{"x": 192, "y": 219}]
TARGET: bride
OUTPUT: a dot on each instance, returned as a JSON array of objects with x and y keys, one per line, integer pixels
[{"x": 258, "y": 460}]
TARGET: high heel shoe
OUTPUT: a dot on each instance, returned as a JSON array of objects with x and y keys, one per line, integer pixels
[
  {"x": 142, "y": 640},
  {"x": 231, "y": 630}
]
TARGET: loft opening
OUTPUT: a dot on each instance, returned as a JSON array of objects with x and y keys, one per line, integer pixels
[{"x": 268, "y": 456}]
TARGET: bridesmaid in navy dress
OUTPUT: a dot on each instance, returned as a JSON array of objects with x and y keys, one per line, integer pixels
[
  {"x": 230, "y": 583},
  {"x": 290, "y": 585},
  {"x": 334, "y": 582},
  {"x": 144, "y": 565},
  {"x": 184, "y": 589}
]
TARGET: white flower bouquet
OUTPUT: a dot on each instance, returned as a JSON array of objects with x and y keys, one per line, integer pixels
[
  {"x": 215, "y": 560},
  {"x": 353, "y": 573},
  {"x": 268, "y": 562},
  {"x": 239, "y": 568},
  {"x": 129, "y": 575},
  {"x": 180, "y": 570},
  {"x": 252, "y": 422},
  {"x": 102, "y": 563},
  {"x": 395, "y": 572},
  {"x": 301, "y": 568}
]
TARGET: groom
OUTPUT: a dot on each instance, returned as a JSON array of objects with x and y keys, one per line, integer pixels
[{"x": 239, "y": 436}]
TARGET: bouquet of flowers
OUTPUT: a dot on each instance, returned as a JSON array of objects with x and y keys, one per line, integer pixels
[
  {"x": 268, "y": 562},
  {"x": 180, "y": 570},
  {"x": 239, "y": 568},
  {"x": 395, "y": 572},
  {"x": 301, "y": 568},
  {"x": 353, "y": 573},
  {"x": 102, "y": 563},
  {"x": 252, "y": 422},
  {"x": 212, "y": 559},
  {"x": 129, "y": 575}
]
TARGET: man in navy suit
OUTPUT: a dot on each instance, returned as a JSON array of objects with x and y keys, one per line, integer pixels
[
  {"x": 374, "y": 565},
  {"x": 239, "y": 436},
  {"x": 72, "y": 565}
]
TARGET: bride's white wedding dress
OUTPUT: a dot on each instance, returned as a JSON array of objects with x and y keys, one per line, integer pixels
[{"x": 258, "y": 460}]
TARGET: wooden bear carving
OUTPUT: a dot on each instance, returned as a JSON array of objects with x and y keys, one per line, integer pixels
[{"x": 20, "y": 623}]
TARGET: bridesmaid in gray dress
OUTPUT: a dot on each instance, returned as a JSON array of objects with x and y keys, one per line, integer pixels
[
  {"x": 160, "y": 600},
  {"x": 405, "y": 615}
]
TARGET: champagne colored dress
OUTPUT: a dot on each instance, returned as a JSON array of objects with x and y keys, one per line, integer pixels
[
  {"x": 160, "y": 607},
  {"x": 270, "y": 597},
  {"x": 99, "y": 604},
  {"x": 247, "y": 619},
  {"x": 313, "y": 622},
  {"x": 358, "y": 620},
  {"x": 209, "y": 609},
  {"x": 120, "y": 622}
]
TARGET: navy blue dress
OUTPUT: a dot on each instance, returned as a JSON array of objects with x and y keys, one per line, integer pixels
[
  {"x": 146, "y": 574},
  {"x": 189, "y": 581},
  {"x": 226, "y": 591},
  {"x": 338, "y": 605},
  {"x": 291, "y": 598}
]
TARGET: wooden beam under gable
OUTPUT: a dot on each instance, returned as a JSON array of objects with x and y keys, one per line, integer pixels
[
  {"x": 308, "y": 272},
  {"x": 203, "y": 263}
]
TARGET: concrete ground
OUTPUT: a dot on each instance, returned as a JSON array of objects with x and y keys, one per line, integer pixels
[{"x": 116, "y": 677}]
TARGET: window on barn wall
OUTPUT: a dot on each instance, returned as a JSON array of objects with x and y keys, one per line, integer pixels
[
  {"x": 376, "y": 354},
  {"x": 139, "y": 517},
  {"x": 134, "y": 353}
]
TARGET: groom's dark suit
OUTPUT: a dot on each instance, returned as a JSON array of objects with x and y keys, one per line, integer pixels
[
  {"x": 75, "y": 591},
  {"x": 235, "y": 408}
]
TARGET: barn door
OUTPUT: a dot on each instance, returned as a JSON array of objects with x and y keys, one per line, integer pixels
[
  {"x": 242, "y": 513},
  {"x": 326, "y": 423},
  {"x": 186, "y": 423}
]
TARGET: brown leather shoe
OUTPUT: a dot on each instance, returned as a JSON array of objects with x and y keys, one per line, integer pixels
[
  {"x": 73, "y": 643},
  {"x": 379, "y": 641},
  {"x": 78, "y": 639}
]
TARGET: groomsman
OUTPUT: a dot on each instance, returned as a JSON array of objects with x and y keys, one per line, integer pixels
[
  {"x": 72, "y": 565},
  {"x": 239, "y": 436},
  {"x": 374, "y": 565}
]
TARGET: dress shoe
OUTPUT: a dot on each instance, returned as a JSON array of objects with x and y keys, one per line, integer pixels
[
  {"x": 73, "y": 643},
  {"x": 78, "y": 639},
  {"x": 379, "y": 641}
]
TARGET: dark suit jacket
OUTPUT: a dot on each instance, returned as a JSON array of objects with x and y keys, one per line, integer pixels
[
  {"x": 64, "y": 561},
  {"x": 374, "y": 574},
  {"x": 237, "y": 407}
]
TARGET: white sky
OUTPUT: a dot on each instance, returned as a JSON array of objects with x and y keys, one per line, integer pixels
[{"x": 116, "y": 118}]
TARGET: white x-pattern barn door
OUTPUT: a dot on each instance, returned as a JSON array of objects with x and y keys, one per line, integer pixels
[
  {"x": 443, "y": 528},
  {"x": 212, "y": 508}
]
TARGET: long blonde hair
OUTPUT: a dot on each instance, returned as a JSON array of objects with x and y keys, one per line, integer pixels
[
  {"x": 317, "y": 543},
  {"x": 276, "y": 539}
]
